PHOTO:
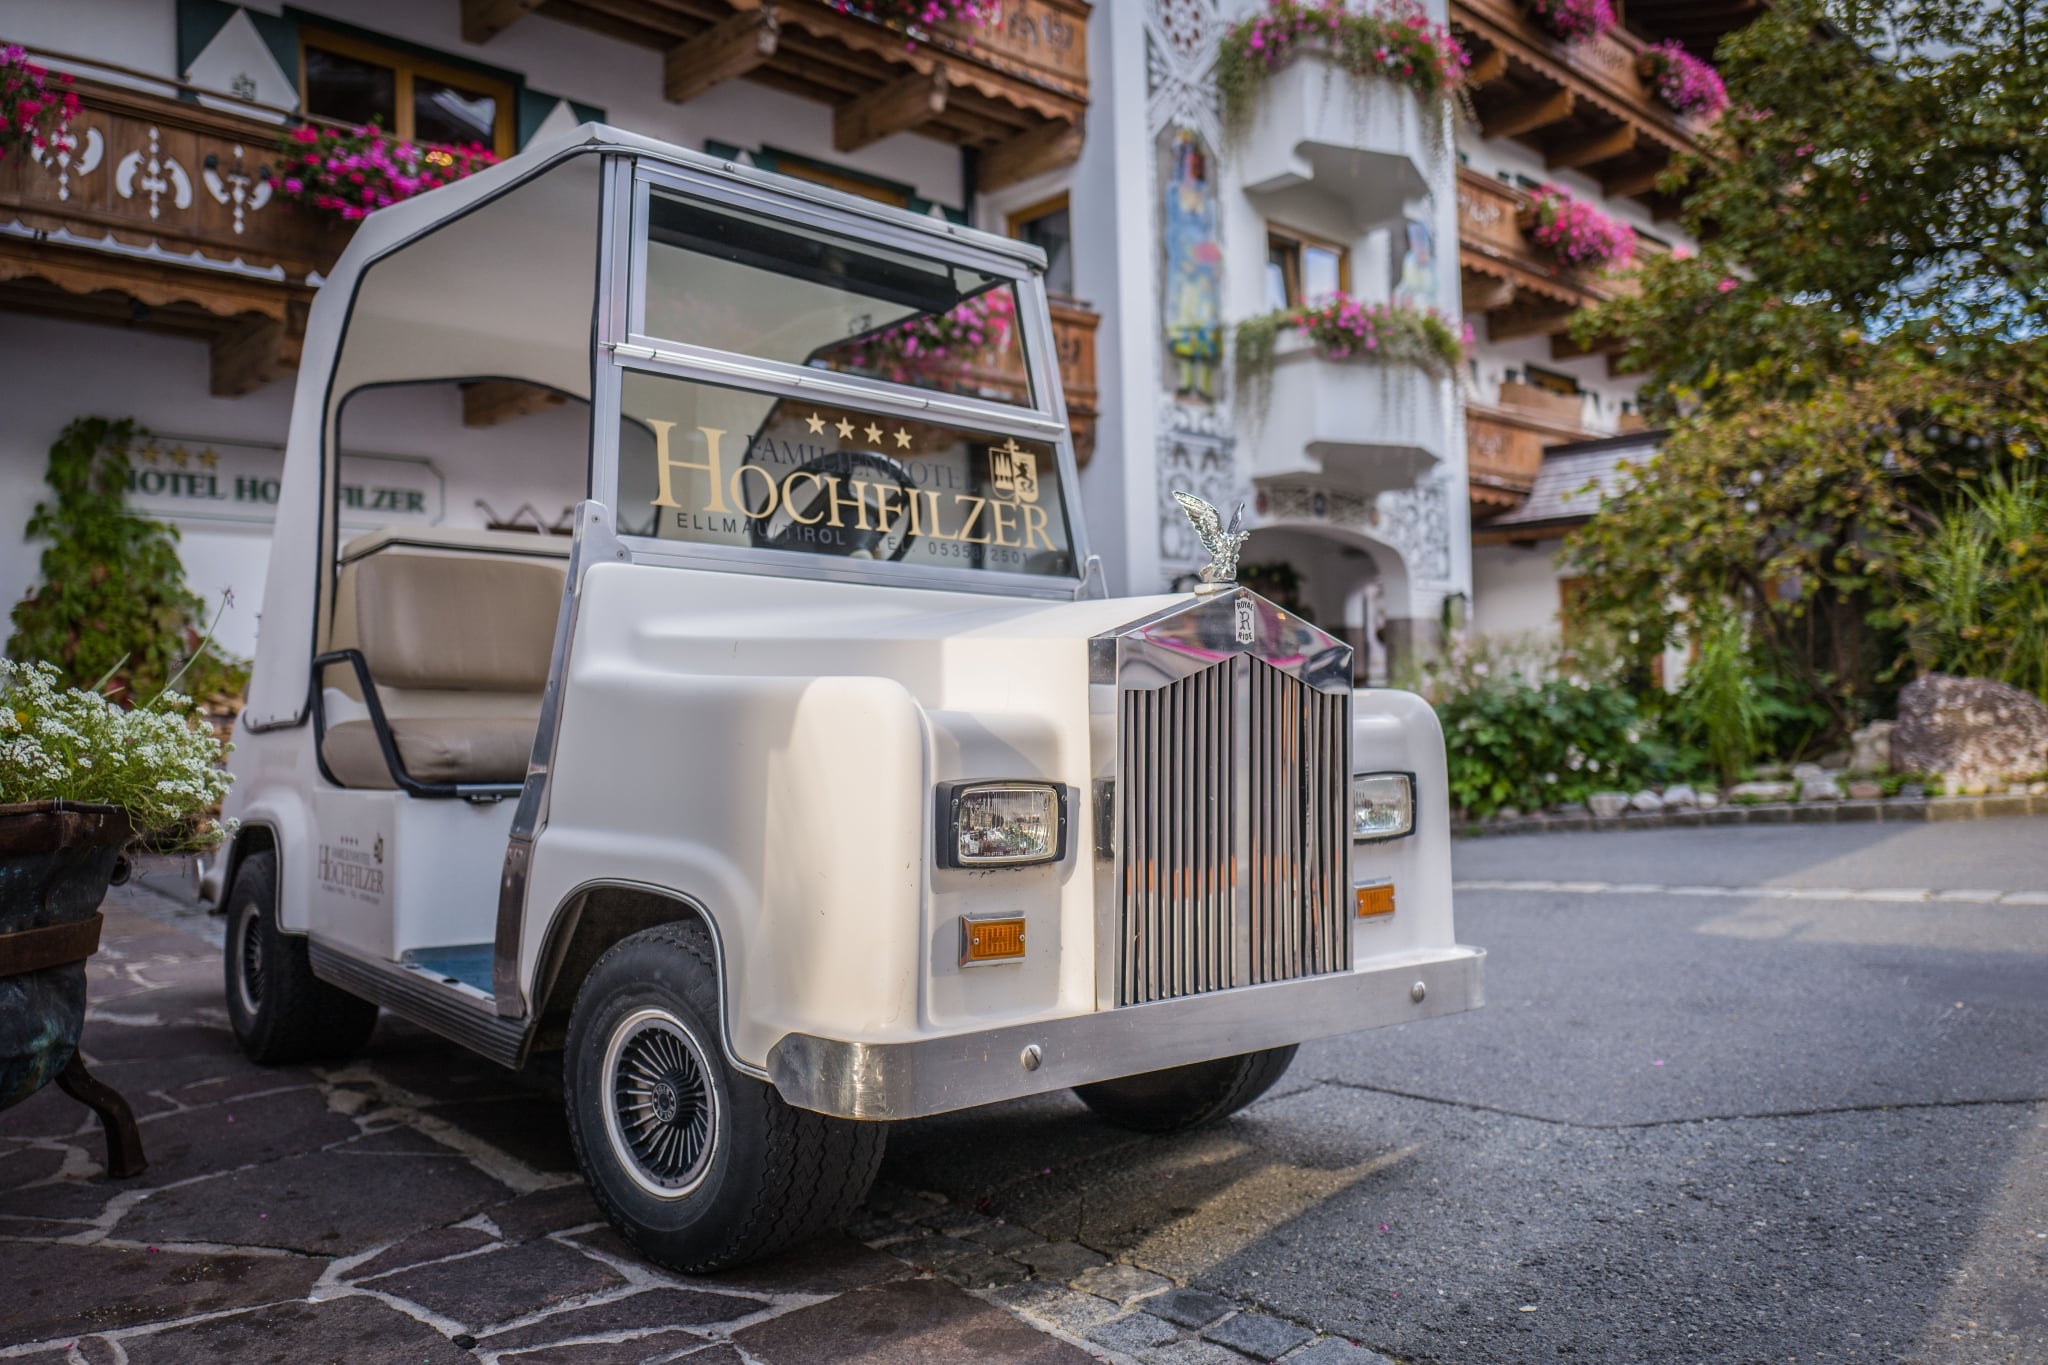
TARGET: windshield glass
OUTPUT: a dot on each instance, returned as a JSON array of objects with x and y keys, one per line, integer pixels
[
  {"x": 713, "y": 465},
  {"x": 766, "y": 287}
]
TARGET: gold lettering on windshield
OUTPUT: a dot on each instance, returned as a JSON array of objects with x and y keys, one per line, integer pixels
[
  {"x": 789, "y": 496},
  {"x": 739, "y": 494},
  {"x": 664, "y": 463},
  {"x": 1035, "y": 528},
  {"x": 973, "y": 518},
  {"x": 858, "y": 502}
]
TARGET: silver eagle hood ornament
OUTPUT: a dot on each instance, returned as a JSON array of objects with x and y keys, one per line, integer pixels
[{"x": 1222, "y": 545}]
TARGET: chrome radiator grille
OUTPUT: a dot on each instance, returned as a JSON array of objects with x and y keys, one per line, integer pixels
[{"x": 1236, "y": 868}]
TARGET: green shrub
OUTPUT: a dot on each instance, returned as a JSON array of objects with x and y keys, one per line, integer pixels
[
  {"x": 1521, "y": 729},
  {"x": 1975, "y": 597},
  {"x": 1719, "y": 708}
]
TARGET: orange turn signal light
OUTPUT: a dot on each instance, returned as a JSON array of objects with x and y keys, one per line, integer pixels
[
  {"x": 1377, "y": 899},
  {"x": 991, "y": 939}
]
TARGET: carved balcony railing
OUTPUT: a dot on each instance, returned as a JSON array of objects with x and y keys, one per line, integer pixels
[
  {"x": 1015, "y": 91},
  {"x": 159, "y": 212},
  {"x": 1518, "y": 284},
  {"x": 1584, "y": 106}
]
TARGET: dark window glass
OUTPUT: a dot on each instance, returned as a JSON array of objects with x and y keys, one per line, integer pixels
[
  {"x": 350, "y": 89},
  {"x": 781, "y": 290},
  {"x": 450, "y": 115},
  {"x": 721, "y": 466},
  {"x": 1053, "y": 234}
]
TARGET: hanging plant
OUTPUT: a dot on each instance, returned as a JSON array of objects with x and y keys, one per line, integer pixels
[
  {"x": 1578, "y": 235},
  {"x": 1684, "y": 82},
  {"x": 351, "y": 173},
  {"x": 34, "y": 105},
  {"x": 1575, "y": 21},
  {"x": 913, "y": 17},
  {"x": 1395, "y": 42},
  {"x": 936, "y": 345},
  {"x": 1342, "y": 328}
]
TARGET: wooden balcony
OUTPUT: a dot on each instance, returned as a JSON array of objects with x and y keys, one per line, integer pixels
[
  {"x": 158, "y": 213},
  {"x": 1504, "y": 450},
  {"x": 1517, "y": 284},
  {"x": 1016, "y": 92},
  {"x": 1584, "y": 106}
]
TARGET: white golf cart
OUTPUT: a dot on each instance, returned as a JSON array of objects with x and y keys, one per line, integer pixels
[{"x": 744, "y": 720}]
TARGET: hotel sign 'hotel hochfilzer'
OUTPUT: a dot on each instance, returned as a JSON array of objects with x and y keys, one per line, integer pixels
[{"x": 187, "y": 479}]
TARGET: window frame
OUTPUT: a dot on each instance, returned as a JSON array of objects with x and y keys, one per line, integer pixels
[
  {"x": 1280, "y": 236},
  {"x": 1044, "y": 208},
  {"x": 624, "y": 346},
  {"x": 406, "y": 65}
]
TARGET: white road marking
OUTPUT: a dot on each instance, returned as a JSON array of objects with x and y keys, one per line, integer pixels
[{"x": 1910, "y": 895}]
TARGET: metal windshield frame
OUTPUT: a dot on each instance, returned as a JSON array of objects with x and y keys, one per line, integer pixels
[{"x": 621, "y": 346}]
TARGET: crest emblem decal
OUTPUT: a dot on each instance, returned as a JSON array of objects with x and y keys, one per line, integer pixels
[
  {"x": 1013, "y": 471},
  {"x": 1223, "y": 546}
]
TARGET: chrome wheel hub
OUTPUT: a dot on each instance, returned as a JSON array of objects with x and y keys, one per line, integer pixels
[
  {"x": 249, "y": 953},
  {"x": 660, "y": 1108}
]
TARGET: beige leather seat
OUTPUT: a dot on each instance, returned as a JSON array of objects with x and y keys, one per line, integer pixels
[{"x": 457, "y": 639}]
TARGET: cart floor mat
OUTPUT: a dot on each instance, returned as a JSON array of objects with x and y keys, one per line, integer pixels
[{"x": 469, "y": 963}]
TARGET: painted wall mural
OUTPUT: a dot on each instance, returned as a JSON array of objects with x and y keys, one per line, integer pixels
[{"x": 1193, "y": 292}]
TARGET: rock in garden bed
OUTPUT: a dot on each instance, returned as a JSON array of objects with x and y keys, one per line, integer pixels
[{"x": 1974, "y": 732}]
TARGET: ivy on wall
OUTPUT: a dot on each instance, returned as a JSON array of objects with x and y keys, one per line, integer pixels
[{"x": 112, "y": 607}]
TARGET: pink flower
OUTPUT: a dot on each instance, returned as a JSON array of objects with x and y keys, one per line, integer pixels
[{"x": 1726, "y": 286}]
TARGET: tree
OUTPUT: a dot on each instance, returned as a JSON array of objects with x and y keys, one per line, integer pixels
[
  {"x": 113, "y": 605},
  {"x": 1861, "y": 333}
]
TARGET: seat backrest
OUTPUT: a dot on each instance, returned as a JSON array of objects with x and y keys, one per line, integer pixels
[{"x": 437, "y": 620}]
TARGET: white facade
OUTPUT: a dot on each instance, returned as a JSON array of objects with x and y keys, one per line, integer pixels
[{"x": 1390, "y": 510}]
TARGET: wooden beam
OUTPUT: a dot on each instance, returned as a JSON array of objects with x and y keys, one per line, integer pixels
[
  {"x": 247, "y": 354},
  {"x": 489, "y": 402},
  {"x": 483, "y": 20},
  {"x": 1529, "y": 323},
  {"x": 1526, "y": 116},
  {"x": 1485, "y": 70},
  {"x": 1629, "y": 184},
  {"x": 1564, "y": 346},
  {"x": 897, "y": 107},
  {"x": 1484, "y": 294},
  {"x": 1045, "y": 148},
  {"x": 726, "y": 51},
  {"x": 1593, "y": 148}
]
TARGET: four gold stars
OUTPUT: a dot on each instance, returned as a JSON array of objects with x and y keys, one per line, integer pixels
[{"x": 846, "y": 429}]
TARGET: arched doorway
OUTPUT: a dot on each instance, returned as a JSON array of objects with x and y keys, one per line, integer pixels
[{"x": 1345, "y": 582}]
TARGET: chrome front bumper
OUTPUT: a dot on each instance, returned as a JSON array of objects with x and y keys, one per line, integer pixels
[{"x": 936, "y": 1075}]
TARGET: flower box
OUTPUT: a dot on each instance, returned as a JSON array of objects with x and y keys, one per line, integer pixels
[{"x": 1363, "y": 426}]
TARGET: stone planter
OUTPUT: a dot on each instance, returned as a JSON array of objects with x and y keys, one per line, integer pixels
[
  {"x": 1363, "y": 426},
  {"x": 1372, "y": 143},
  {"x": 56, "y": 861}
]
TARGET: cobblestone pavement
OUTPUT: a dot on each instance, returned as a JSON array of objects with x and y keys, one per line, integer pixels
[{"x": 421, "y": 1205}]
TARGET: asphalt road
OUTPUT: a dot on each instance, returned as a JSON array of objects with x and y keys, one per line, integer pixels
[
  {"x": 1745, "y": 1095},
  {"x": 1690, "y": 1124}
]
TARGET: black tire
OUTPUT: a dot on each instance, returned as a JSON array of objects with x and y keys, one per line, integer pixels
[
  {"x": 1183, "y": 1097},
  {"x": 280, "y": 1011},
  {"x": 715, "y": 1170}
]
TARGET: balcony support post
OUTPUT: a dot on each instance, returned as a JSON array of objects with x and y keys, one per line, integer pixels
[
  {"x": 726, "y": 51},
  {"x": 1526, "y": 116},
  {"x": 483, "y": 20},
  {"x": 1042, "y": 149},
  {"x": 897, "y": 107},
  {"x": 1589, "y": 150},
  {"x": 246, "y": 355}
]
